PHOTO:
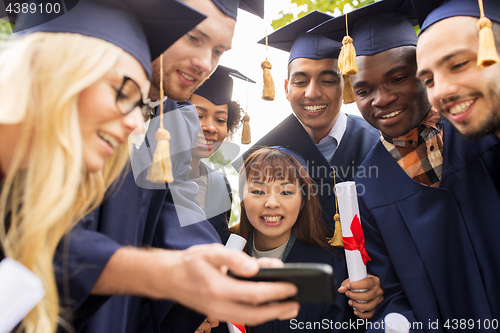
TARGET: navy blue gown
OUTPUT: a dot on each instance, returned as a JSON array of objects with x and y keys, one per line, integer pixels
[{"x": 436, "y": 250}]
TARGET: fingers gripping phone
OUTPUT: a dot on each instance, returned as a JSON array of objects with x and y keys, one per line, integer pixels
[{"x": 315, "y": 282}]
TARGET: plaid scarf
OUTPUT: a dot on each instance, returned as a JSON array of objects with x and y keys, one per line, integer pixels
[{"x": 420, "y": 152}]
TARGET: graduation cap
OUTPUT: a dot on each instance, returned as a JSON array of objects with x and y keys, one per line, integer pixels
[
  {"x": 230, "y": 7},
  {"x": 369, "y": 30},
  {"x": 374, "y": 28},
  {"x": 294, "y": 154},
  {"x": 430, "y": 12},
  {"x": 218, "y": 89},
  {"x": 144, "y": 29},
  {"x": 293, "y": 38}
]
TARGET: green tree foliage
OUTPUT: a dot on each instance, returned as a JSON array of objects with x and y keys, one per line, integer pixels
[
  {"x": 326, "y": 6},
  {"x": 5, "y": 31}
]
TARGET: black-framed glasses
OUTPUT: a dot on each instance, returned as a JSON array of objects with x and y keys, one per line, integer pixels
[{"x": 129, "y": 96}]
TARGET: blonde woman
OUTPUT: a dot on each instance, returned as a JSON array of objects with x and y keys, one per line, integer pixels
[{"x": 71, "y": 92}]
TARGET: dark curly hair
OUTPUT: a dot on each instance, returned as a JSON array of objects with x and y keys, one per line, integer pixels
[{"x": 234, "y": 114}]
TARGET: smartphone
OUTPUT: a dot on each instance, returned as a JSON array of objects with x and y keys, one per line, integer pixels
[{"x": 315, "y": 282}]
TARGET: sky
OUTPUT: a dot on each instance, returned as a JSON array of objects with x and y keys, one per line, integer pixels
[{"x": 246, "y": 56}]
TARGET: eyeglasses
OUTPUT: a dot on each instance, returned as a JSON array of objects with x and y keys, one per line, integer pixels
[{"x": 129, "y": 96}]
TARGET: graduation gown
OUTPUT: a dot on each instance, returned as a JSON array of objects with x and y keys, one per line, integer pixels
[
  {"x": 135, "y": 214},
  {"x": 359, "y": 137},
  {"x": 436, "y": 250},
  {"x": 218, "y": 203},
  {"x": 326, "y": 314}
]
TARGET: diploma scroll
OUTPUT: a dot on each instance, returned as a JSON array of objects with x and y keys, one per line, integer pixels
[
  {"x": 235, "y": 242},
  {"x": 20, "y": 292},
  {"x": 352, "y": 233},
  {"x": 396, "y": 323}
]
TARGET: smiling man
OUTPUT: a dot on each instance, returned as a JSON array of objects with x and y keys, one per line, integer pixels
[
  {"x": 427, "y": 217},
  {"x": 466, "y": 94},
  {"x": 190, "y": 60}
]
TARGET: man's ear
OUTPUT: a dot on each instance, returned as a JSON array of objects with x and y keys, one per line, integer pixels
[{"x": 286, "y": 89}]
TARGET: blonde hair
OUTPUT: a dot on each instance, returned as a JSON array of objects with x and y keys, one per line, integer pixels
[{"x": 41, "y": 77}]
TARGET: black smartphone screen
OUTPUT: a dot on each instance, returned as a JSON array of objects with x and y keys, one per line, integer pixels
[{"x": 315, "y": 282}]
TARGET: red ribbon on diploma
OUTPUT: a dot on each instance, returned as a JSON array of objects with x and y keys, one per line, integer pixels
[
  {"x": 357, "y": 241},
  {"x": 239, "y": 326}
]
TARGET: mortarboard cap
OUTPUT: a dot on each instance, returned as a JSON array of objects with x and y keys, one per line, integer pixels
[
  {"x": 218, "y": 89},
  {"x": 230, "y": 7},
  {"x": 294, "y": 154},
  {"x": 293, "y": 38},
  {"x": 144, "y": 29},
  {"x": 430, "y": 12},
  {"x": 374, "y": 28},
  {"x": 487, "y": 54}
]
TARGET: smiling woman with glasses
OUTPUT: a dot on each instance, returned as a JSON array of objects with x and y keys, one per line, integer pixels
[
  {"x": 71, "y": 91},
  {"x": 63, "y": 145}
]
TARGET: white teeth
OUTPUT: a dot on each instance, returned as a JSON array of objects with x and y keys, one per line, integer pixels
[
  {"x": 205, "y": 142},
  {"x": 392, "y": 114},
  {"x": 187, "y": 77},
  {"x": 461, "y": 108},
  {"x": 314, "y": 108},
  {"x": 272, "y": 218},
  {"x": 109, "y": 139}
]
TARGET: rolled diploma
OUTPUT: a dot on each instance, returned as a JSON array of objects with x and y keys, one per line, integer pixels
[
  {"x": 20, "y": 291},
  {"x": 235, "y": 242},
  {"x": 348, "y": 207},
  {"x": 396, "y": 323}
]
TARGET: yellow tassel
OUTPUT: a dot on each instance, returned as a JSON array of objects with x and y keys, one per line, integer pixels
[
  {"x": 245, "y": 134},
  {"x": 348, "y": 93},
  {"x": 161, "y": 168},
  {"x": 487, "y": 54},
  {"x": 347, "y": 57},
  {"x": 268, "y": 91},
  {"x": 336, "y": 240}
]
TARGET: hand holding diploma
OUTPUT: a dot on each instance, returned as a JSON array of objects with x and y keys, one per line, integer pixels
[
  {"x": 363, "y": 290},
  {"x": 352, "y": 233},
  {"x": 365, "y": 295}
]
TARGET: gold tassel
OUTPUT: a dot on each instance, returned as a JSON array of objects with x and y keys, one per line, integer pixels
[
  {"x": 336, "y": 240},
  {"x": 348, "y": 65},
  {"x": 487, "y": 54},
  {"x": 161, "y": 168},
  {"x": 347, "y": 57},
  {"x": 348, "y": 92},
  {"x": 268, "y": 91},
  {"x": 245, "y": 134}
]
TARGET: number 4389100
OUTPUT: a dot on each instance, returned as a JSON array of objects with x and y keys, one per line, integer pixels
[{"x": 17, "y": 7}]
